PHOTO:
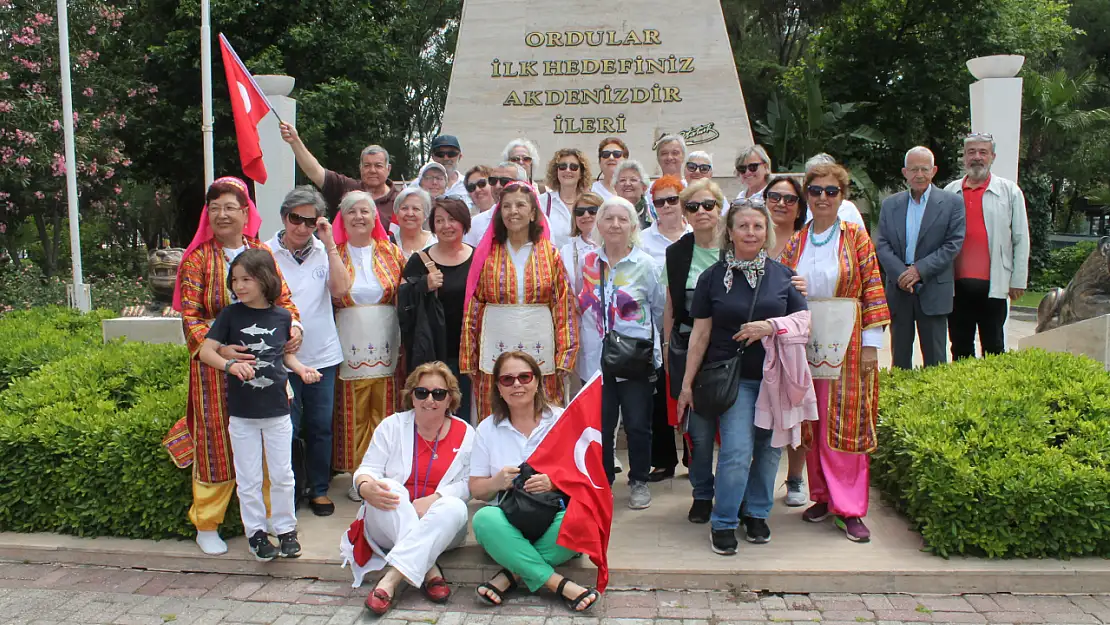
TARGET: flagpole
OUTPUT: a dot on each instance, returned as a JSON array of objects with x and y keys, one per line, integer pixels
[
  {"x": 80, "y": 301},
  {"x": 206, "y": 90}
]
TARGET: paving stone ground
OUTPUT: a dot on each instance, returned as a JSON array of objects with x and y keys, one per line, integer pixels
[{"x": 46, "y": 594}]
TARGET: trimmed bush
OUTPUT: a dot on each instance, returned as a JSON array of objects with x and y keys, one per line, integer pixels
[
  {"x": 80, "y": 445},
  {"x": 1008, "y": 456},
  {"x": 30, "y": 339}
]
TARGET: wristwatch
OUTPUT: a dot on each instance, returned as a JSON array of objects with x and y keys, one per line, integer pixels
[{"x": 227, "y": 365}]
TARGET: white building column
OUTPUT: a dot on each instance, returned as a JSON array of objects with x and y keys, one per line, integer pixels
[
  {"x": 996, "y": 107},
  {"x": 281, "y": 167}
]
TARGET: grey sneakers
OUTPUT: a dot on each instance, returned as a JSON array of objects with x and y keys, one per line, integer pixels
[
  {"x": 795, "y": 496},
  {"x": 640, "y": 497}
]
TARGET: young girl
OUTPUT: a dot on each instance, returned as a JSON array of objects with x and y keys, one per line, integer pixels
[{"x": 257, "y": 399}]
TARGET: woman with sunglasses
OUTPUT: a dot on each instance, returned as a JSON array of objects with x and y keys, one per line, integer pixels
[
  {"x": 568, "y": 177},
  {"x": 522, "y": 417},
  {"x": 610, "y": 152},
  {"x": 518, "y": 297},
  {"x": 525, "y": 154},
  {"x": 302, "y": 259},
  {"x": 699, "y": 165},
  {"x": 479, "y": 189},
  {"x": 366, "y": 316},
  {"x": 574, "y": 253},
  {"x": 838, "y": 259},
  {"x": 754, "y": 168},
  {"x": 414, "y": 484}
]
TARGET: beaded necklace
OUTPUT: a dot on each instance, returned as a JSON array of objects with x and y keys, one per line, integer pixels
[{"x": 829, "y": 237}]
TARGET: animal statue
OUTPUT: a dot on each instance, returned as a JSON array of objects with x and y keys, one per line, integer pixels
[
  {"x": 1085, "y": 297},
  {"x": 161, "y": 274}
]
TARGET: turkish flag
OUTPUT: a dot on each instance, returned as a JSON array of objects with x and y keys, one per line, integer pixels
[
  {"x": 580, "y": 475},
  {"x": 248, "y": 106}
]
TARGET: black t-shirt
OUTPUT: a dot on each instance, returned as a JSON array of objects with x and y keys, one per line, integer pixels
[
  {"x": 729, "y": 311},
  {"x": 452, "y": 295},
  {"x": 264, "y": 331}
]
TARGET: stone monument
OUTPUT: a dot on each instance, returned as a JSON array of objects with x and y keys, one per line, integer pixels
[
  {"x": 156, "y": 322},
  {"x": 567, "y": 74},
  {"x": 281, "y": 167}
]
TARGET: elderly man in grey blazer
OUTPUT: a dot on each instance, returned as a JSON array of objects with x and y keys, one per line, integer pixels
[{"x": 920, "y": 233}]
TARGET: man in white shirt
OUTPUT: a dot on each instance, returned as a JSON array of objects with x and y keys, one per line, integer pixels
[
  {"x": 502, "y": 175},
  {"x": 315, "y": 273}
]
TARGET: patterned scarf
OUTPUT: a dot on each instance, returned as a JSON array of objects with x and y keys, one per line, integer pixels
[
  {"x": 752, "y": 269},
  {"x": 298, "y": 255}
]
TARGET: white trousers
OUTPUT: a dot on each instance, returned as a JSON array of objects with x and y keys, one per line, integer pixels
[
  {"x": 249, "y": 437},
  {"x": 415, "y": 543}
]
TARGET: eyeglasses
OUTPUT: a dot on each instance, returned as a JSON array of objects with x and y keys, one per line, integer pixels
[
  {"x": 225, "y": 210},
  {"x": 750, "y": 167},
  {"x": 815, "y": 191},
  {"x": 421, "y": 393},
  {"x": 295, "y": 219},
  {"x": 500, "y": 181},
  {"x": 445, "y": 153},
  {"x": 611, "y": 153},
  {"x": 579, "y": 211},
  {"x": 508, "y": 380},
  {"x": 705, "y": 169},
  {"x": 706, "y": 205},
  {"x": 480, "y": 183},
  {"x": 660, "y": 202},
  {"x": 786, "y": 198},
  {"x": 570, "y": 166}
]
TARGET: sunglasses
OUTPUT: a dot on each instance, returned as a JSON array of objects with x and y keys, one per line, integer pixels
[
  {"x": 421, "y": 393},
  {"x": 751, "y": 167},
  {"x": 815, "y": 191},
  {"x": 786, "y": 198},
  {"x": 660, "y": 202},
  {"x": 295, "y": 219},
  {"x": 570, "y": 166},
  {"x": 445, "y": 153},
  {"x": 508, "y": 380},
  {"x": 611, "y": 153},
  {"x": 582, "y": 210},
  {"x": 984, "y": 136},
  {"x": 521, "y": 159},
  {"x": 481, "y": 183},
  {"x": 706, "y": 205},
  {"x": 693, "y": 167},
  {"x": 500, "y": 181}
]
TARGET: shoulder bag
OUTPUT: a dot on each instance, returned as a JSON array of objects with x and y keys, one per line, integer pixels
[
  {"x": 716, "y": 384},
  {"x": 531, "y": 513},
  {"x": 623, "y": 356}
]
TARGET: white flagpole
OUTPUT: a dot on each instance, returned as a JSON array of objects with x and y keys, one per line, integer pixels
[
  {"x": 206, "y": 91},
  {"x": 79, "y": 300}
]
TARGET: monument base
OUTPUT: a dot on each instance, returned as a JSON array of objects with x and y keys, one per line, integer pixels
[
  {"x": 1090, "y": 337},
  {"x": 144, "y": 329}
]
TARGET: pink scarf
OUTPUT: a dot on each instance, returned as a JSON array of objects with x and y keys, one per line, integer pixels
[
  {"x": 485, "y": 246},
  {"x": 204, "y": 232},
  {"x": 339, "y": 229}
]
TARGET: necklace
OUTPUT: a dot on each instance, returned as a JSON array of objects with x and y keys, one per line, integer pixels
[
  {"x": 428, "y": 470},
  {"x": 829, "y": 237}
]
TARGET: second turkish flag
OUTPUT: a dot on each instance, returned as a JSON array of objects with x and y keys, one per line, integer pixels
[{"x": 248, "y": 105}]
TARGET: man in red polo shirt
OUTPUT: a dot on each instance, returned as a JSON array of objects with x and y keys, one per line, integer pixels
[
  {"x": 374, "y": 168},
  {"x": 994, "y": 261}
]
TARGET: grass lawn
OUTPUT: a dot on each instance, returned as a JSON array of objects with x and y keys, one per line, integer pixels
[{"x": 1030, "y": 299}]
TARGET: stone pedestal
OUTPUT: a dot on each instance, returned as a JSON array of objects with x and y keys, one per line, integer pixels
[
  {"x": 1090, "y": 337},
  {"x": 144, "y": 329},
  {"x": 996, "y": 107},
  {"x": 281, "y": 167}
]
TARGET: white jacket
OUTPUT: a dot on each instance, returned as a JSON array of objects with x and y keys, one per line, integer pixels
[
  {"x": 390, "y": 455},
  {"x": 1007, "y": 233}
]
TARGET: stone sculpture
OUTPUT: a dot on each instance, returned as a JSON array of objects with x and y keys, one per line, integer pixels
[
  {"x": 161, "y": 275},
  {"x": 1085, "y": 297}
]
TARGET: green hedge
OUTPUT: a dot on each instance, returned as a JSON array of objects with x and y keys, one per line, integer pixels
[
  {"x": 30, "y": 339},
  {"x": 1003, "y": 457},
  {"x": 80, "y": 446}
]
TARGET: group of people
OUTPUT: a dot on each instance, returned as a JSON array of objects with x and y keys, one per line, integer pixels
[{"x": 424, "y": 340}]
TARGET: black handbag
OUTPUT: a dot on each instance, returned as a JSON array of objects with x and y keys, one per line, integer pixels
[
  {"x": 531, "y": 513},
  {"x": 677, "y": 347},
  {"x": 623, "y": 356},
  {"x": 716, "y": 384}
]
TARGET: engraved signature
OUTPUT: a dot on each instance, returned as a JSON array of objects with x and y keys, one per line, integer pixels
[{"x": 695, "y": 135}]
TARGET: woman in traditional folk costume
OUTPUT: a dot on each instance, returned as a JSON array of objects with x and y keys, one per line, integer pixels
[
  {"x": 366, "y": 317},
  {"x": 228, "y": 226},
  {"x": 838, "y": 260},
  {"x": 518, "y": 298}
]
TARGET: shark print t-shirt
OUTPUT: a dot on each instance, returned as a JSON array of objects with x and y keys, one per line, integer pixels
[{"x": 263, "y": 331}]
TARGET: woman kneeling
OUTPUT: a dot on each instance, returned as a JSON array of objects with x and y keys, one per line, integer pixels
[
  {"x": 520, "y": 421},
  {"x": 414, "y": 490}
]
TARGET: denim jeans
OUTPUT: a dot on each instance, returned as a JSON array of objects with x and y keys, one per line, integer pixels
[
  {"x": 632, "y": 400},
  {"x": 311, "y": 411},
  {"x": 464, "y": 388},
  {"x": 746, "y": 465}
]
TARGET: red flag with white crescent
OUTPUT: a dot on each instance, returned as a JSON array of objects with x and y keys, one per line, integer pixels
[
  {"x": 580, "y": 475},
  {"x": 248, "y": 106}
]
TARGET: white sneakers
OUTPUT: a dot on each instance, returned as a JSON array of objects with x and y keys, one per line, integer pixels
[{"x": 211, "y": 543}]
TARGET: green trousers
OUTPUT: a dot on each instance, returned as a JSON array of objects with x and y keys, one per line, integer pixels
[{"x": 534, "y": 562}]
